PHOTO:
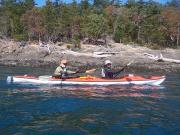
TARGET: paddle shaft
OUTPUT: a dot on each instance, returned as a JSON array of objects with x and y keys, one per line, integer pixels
[
  {"x": 123, "y": 68},
  {"x": 86, "y": 71}
]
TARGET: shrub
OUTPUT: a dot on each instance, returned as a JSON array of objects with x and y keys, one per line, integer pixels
[{"x": 68, "y": 46}]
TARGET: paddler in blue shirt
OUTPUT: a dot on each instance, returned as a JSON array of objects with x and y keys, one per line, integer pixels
[{"x": 62, "y": 71}]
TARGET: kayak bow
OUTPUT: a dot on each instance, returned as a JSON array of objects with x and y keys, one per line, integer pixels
[{"x": 88, "y": 80}]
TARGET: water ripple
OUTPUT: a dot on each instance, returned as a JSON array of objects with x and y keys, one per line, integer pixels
[{"x": 133, "y": 110}]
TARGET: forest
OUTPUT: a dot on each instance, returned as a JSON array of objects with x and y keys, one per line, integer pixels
[{"x": 143, "y": 22}]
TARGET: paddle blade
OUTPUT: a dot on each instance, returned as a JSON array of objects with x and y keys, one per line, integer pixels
[
  {"x": 90, "y": 71},
  {"x": 130, "y": 63}
]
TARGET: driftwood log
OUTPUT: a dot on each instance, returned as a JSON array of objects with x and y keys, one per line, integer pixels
[
  {"x": 161, "y": 58},
  {"x": 102, "y": 53},
  {"x": 86, "y": 54}
]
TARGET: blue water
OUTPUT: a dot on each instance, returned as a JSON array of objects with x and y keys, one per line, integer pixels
[{"x": 123, "y": 110}]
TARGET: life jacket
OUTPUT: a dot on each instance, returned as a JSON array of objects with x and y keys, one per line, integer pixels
[
  {"x": 61, "y": 71},
  {"x": 64, "y": 72},
  {"x": 107, "y": 72}
]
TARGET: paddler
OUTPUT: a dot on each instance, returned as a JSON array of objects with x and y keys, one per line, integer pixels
[
  {"x": 108, "y": 72},
  {"x": 62, "y": 71}
]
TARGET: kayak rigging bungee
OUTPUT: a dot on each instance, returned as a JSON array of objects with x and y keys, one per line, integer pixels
[{"x": 87, "y": 80}]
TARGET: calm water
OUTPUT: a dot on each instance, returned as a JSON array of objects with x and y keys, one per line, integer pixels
[{"x": 123, "y": 110}]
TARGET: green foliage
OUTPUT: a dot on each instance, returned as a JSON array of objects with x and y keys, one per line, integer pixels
[
  {"x": 101, "y": 3},
  {"x": 12, "y": 11},
  {"x": 95, "y": 26},
  {"x": 19, "y": 37},
  {"x": 143, "y": 22},
  {"x": 68, "y": 46},
  {"x": 50, "y": 19},
  {"x": 119, "y": 33},
  {"x": 33, "y": 21},
  {"x": 76, "y": 40},
  {"x": 174, "y": 3}
]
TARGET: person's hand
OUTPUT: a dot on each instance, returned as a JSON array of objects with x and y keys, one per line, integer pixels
[{"x": 77, "y": 71}]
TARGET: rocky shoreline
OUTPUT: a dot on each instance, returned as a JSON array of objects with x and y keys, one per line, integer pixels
[{"x": 34, "y": 55}]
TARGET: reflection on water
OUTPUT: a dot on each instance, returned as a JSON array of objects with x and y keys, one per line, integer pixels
[{"x": 108, "y": 91}]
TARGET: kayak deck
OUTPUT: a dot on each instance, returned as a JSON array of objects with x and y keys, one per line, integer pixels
[{"x": 88, "y": 80}]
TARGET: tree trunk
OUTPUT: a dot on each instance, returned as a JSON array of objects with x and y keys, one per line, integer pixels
[
  {"x": 39, "y": 37},
  {"x": 29, "y": 37},
  {"x": 115, "y": 25},
  {"x": 139, "y": 30},
  {"x": 178, "y": 35}
]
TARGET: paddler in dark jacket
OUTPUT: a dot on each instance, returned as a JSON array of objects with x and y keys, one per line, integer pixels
[
  {"x": 108, "y": 72},
  {"x": 62, "y": 71}
]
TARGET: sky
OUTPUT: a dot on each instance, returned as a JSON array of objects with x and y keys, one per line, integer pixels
[{"x": 42, "y": 2}]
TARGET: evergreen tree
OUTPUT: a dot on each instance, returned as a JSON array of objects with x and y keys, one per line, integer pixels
[
  {"x": 29, "y": 4},
  {"x": 174, "y": 3},
  {"x": 33, "y": 21},
  {"x": 95, "y": 27},
  {"x": 50, "y": 21}
]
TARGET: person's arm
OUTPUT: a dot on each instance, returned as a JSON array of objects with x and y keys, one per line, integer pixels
[
  {"x": 119, "y": 71},
  {"x": 71, "y": 72},
  {"x": 116, "y": 73}
]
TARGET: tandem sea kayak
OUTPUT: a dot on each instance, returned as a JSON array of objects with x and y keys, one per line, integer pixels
[{"x": 88, "y": 80}]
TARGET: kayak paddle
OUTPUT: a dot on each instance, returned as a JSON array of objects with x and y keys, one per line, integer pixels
[
  {"x": 124, "y": 68},
  {"x": 90, "y": 71},
  {"x": 85, "y": 71},
  {"x": 130, "y": 63}
]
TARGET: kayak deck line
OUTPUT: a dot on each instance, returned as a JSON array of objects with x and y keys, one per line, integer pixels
[
  {"x": 116, "y": 80},
  {"x": 27, "y": 77},
  {"x": 88, "y": 80}
]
